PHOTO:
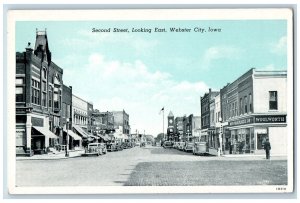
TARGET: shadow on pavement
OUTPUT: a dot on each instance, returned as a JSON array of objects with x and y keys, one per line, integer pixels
[
  {"x": 168, "y": 151},
  {"x": 208, "y": 173}
]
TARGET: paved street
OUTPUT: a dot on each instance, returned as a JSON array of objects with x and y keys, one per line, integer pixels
[{"x": 151, "y": 166}]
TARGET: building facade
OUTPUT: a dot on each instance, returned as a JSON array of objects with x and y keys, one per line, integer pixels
[
  {"x": 254, "y": 109},
  {"x": 80, "y": 116},
  {"x": 170, "y": 129},
  {"x": 121, "y": 118},
  {"x": 208, "y": 133},
  {"x": 179, "y": 128},
  {"x": 90, "y": 117},
  {"x": 38, "y": 99}
]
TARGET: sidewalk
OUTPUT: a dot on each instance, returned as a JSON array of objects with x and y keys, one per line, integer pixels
[
  {"x": 254, "y": 157},
  {"x": 60, "y": 155}
]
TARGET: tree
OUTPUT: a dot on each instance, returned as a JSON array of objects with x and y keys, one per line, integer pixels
[{"x": 159, "y": 137}]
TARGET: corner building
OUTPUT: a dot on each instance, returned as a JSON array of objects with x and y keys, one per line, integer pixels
[
  {"x": 38, "y": 99},
  {"x": 254, "y": 108}
]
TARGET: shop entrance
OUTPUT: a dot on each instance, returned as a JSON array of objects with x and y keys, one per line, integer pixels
[
  {"x": 38, "y": 144},
  {"x": 261, "y": 138}
]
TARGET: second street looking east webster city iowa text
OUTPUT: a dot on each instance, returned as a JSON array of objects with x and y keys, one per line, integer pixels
[{"x": 157, "y": 29}]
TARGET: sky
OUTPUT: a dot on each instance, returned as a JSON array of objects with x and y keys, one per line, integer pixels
[{"x": 142, "y": 72}]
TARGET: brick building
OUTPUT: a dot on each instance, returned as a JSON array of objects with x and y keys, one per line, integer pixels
[
  {"x": 254, "y": 108},
  {"x": 207, "y": 117},
  {"x": 121, "y": 118},
  {"x": 38, "y": 98}
]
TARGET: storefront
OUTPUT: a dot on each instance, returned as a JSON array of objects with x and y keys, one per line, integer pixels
[
  {"x": 247, "y": 135},
  {"x": 41, "y": 138}
]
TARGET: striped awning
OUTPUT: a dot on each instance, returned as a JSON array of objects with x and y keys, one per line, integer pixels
[
  {"x": 72, "y": 134},
  {"x": 44, "y": 131},
  {"x": 80, "y": 131}
]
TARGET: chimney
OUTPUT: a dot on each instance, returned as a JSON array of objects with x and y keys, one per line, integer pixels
[{"x": 29, "y": 51}]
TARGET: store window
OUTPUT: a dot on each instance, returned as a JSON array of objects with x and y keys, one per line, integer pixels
[{"x": 273, "y": 103}]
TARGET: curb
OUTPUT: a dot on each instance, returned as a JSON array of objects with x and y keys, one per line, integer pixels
[{"x": 54, "y": 158}]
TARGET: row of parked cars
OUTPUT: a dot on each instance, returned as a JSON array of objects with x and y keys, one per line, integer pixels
[
  {"x": 103, "y": 148},
  {"x": 197, "y": 148}
]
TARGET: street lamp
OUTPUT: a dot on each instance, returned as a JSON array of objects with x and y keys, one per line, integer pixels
[{"x": 67, "y": 153}]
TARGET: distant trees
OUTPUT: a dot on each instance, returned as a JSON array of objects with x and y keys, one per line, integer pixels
[{"x": 159, "y": 137}]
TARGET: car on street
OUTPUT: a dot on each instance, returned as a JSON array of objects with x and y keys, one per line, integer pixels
[
  {"x": 200, "y": 148},
  {"x": 176, "y": 145},
  {"x": 168, "y": 144},
  {"x": 111, "y": 146},
  {"x": 95, "y": 149},
  {"x": 181, "y": 146},
  {"x": 137, "y": 144},
  {"x": 189, "y": 147}
]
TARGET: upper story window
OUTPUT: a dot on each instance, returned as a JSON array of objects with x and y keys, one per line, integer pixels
[
  {"x": 250, "y": 103},
  {"x": 44, "y": 73},
  {"x": 50, "y": 97},
  {"x": 245, "y": 104},
  {"x": 20, "y": 90},
  {"x": 241, "y": 106},
  {"x": 273, "y": 100},
  {"x": 35, "y": 92}
]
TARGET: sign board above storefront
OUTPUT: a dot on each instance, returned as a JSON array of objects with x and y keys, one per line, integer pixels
[
  {"x": 270, "y": 119},
  {"x": 259, "y": 119}
]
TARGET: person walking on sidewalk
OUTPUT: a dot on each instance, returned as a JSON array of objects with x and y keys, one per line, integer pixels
[{"x": 267, "y": 147}]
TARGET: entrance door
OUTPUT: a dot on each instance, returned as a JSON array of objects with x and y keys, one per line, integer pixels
[{"x": 261, "y": 138}]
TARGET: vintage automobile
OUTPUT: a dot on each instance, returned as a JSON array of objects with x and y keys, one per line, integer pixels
[
  {"x": 111, "y": 146},
  {"x": 168, "y": 144},
  {"x": 188, "y": 146},
  {"x": 119, "y": 146},
  {"x": 143, "y": 144},
  {"x": 200, "y": 148},
  {"x": 181, "y": 145},
  {"x": 176, "y": 145},
  {"x": 95, "y": 149}
]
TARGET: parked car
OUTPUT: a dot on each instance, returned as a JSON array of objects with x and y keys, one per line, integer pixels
[
  {"x": 189, "y": 147},
  {"x": 95, "y": 149},
  {"x": 181, "y": 145},
  {"x": 200, "y": 148},
  {"x": 111, "y": 146},
  {"x": 143, "y": 144},
  {"x": 176, "y": 145},
  {"x": 168, "y": 144},
  {"x": 137, "y": 144}
]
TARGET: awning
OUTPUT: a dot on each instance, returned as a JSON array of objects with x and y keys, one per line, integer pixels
[
  {"x": 72, "y": 134},
  {"x": 93, "y": 136},
  {"x": 80, "y": 131},
  {"x": 103, "y": 137},
  {"x": 45, "y": 132}
]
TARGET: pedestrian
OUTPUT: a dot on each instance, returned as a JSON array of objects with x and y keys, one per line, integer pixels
[{"x": 267, "y": 147}]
